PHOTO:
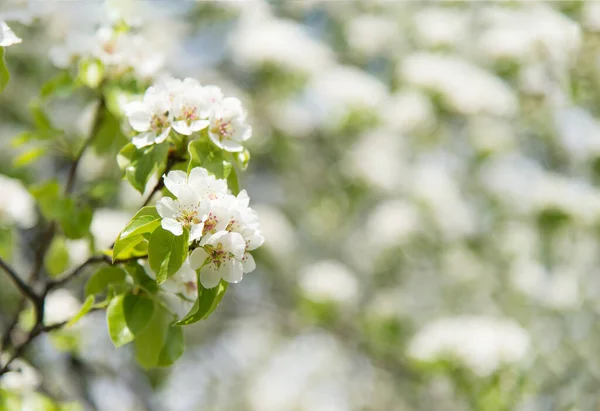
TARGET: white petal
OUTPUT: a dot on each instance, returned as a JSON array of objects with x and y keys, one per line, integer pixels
[
  {"x": 166, "y": 207},
  {"x": 215, "y": 138},
  {"x": 232, "y": 271},
  {"x": 139, "y": 116},
  {"x": 210, "y": 276},
  {"x": 174, "y": 180},
  {"x": 237, "y": 245},
  {"x": 231, "y": 146},
  {"x": 7, "y": 36},
  {"x": 163, "y": 136},
  {"x": 197, "y": 258},
  {"x": 171, "y": 225},
  {"x": 182, "y": 127},
  {"x": 196, "y": 231},
  {"x": 144, "y": 139},
  {"x": 187, "y": 196},
  {"x": 199, "y": 125},
  {"x": 248, "y": 263}
]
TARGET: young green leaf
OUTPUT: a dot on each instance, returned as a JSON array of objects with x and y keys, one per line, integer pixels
[
  {"x": 4, "y": 74},
  {"x": 75, "y": 221},
  {"x": 103, "y": 278},
  {"x": 133, "y": 246},
  {"x": 207, "y": 301},
  {"x": 60, "y": 85},
  {"x": 143, "y": 163},
  {"x": 173, "y": 347},
  {"x": 167, "y": 252},
  {"x": 204, "y": 154},
  {"x": 57, "y": 258},
  {"x": 139, "y": 276},
  {"x": 145, "y": 221},
  {"x": 85, "y": 308},
  {"x": 149, "y": 343},
  {"x": 127, "y": 315}
]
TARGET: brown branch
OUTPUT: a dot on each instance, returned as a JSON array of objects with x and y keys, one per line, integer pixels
[
  {"x": 172, "y": 159},
  {"x": 24, "y": 289}
]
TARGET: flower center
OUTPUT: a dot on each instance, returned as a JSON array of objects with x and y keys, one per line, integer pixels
[
  {"x": 210, "y": 224},
  {"x": 223, "y": 128},
  {"x": 188, "y": 216},
  {"x": 217, "y": 255},
  {"x": 188, "y": 113},
  {"x": 159, "y": 121}
]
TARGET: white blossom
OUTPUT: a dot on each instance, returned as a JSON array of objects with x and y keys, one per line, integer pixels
[
  {"x": 228, "y": 128},
  {"x": 150, "y": 117},
  {"x": 60, "y": 306},
  {"x": 220, "y": 258},
  {"x": 21, "y": 376},
  {"x": 7, "y": 36},
  {"x": 482, "y": 344},
  {"x": 16, "y": 204},
  {"x": 328, "y": 281}
]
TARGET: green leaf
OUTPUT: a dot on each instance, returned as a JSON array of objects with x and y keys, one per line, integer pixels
[
  {"x": 143, "y": 164},
  {"x": 233, "y": 182},
  {"x": 75, "y": 221},
  {"x": 4, "y": 74},
  {"x": 133, "y": 246},
  {"x": 85, "y": 308},
  {"x": 207, "y": 301},
  {"x": 49, "y": 199},
  {"x": 108, "y": 134},
  {"x": 127, "y": 315},
  {"x": 6, "y": 242},
  {"x": 173, "y": 347},
  {"x": 139, "y": 276},
  {"x": 60, "y": 85},
  {"x": 102, "y": 278},
  {"x": 149, "y": 343},
  {"x": 40, "y": 119},
  {"x": 145, "y": 221},
  {"x": 167, "y": 252},
  {"x": 91, "y": 73},
  {"x": 204, "y": 154},
  {"x": 29, "y": 156},
  {"x": 57, "y": 258}
]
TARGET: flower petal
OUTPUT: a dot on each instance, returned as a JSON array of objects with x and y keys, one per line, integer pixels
[
  {"x": 166, "y": 207},
  {"x": 232, "y": 271},
  {"x": 174, "y": 180},
  {"x": 171, "y": 225},
  {"x": 210, "y": 276},
  {"x": 197, "y": 258},
  {"x": 248, "y": 263},
  {"x": 144, "y": 139}
]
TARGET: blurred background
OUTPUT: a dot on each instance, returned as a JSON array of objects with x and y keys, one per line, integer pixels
[{"x": 425, "y": 173}]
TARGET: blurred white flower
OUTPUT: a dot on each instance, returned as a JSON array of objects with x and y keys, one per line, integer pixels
[
  {"x": 281, "y": 238},
  {"x": 340, "y": 89},
  {"x": 106, "y": 226},
  {"x": 391, "y": 224},
  {"x": 491, "y": 134},
  {"x": 328, "y": 281},
  {"x": 408, "y": 111},
  {"x": 578, "y": 132},
  {"x": 16, "y": 204},
  {"x": 60, "y": 306},
  {"x": 281, "y": 42},
  {"x": 21, "y": 377},
  {"x": 482, "y": 344},
  {"x": 377, "y": 158},
  {"x": 533, "y": 31},
  {"x": 439, "y": 26},
  {"x": 463, "y": 86},
  {"x": 372, "y": 34},
  {"x": 558, "y": 289},
  {"x": 79, "y": 251},
  {"x": 7, "y": 36}
]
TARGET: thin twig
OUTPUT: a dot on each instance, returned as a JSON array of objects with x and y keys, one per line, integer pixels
[
  {"x": 97, "y": 123},
  {"x": 77, "y": 271},
  {"x": 6, "y": 337},
  {"x": 26, "y": 290},
  {"x": 172, "y": 159}
]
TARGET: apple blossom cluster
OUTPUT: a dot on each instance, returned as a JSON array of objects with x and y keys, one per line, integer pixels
[
  {"x": 222, "y": 226},
  {"x": 119, "y": 50},
  {"x": 187, "y": 107}
]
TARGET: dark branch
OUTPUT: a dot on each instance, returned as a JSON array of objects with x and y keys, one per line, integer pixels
[
  {"x": 77, "y": 271},
  {"x": 24, "y": 289},
  {"x": 98, "y": 119}
]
